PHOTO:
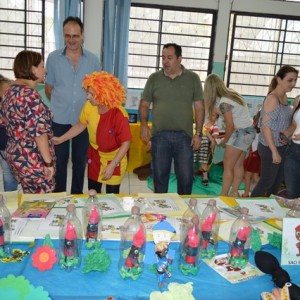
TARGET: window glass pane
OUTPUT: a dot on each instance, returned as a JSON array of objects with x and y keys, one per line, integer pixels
[
  {"x": 150, "y": 28},
  {"x": 257, "y": 49}
]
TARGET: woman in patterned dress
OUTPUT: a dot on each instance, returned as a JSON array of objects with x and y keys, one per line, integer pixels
[
  {"x": 109, "y": 132},
  {"x": 29, "y": 150}
]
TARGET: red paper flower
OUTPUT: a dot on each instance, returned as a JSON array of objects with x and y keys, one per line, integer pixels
[{"x": 44, "y": 258}]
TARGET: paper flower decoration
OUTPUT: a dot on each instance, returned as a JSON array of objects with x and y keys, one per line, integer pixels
[
  {"x": 44, "y": 258},
  {"x": 13, "y": 287},
  {"x": 108, "y": 90}
]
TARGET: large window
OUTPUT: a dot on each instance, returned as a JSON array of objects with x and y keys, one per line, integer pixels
[
  {"x": 151, "y": 28},
  {"x": 259, "y": 45},
  {"x": 25, "y": 24}
]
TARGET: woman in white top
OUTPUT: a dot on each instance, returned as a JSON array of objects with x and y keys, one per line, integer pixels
[
  {"x": 292, "y": 160},
  {"x": 239, "y": 131}
]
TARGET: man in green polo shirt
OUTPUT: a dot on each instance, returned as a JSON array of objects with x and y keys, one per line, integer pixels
[{"x": 173, "y": 92}]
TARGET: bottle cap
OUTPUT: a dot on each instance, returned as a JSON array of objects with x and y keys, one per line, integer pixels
[
  {"x": 92, "y": 193},
  {"x": 71, "y": 207},
  {"x": 212, "y": 202},
  {"x": 135, "y": 210},
  {"x": 244, "y": 211},
  {"x": 193, "y": 202}
]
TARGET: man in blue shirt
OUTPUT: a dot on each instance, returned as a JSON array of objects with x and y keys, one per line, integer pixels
[{"x": 66, "y": 69}]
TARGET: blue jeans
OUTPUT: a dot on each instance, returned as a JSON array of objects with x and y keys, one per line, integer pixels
[
  {"x": 292, "y": 171},
  {"x": 168, "y": 145},
  {"x": 9, "y": 181},
  {"x": 78, "y": 153}
]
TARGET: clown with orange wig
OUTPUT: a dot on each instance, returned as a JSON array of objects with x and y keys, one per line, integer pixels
[{"x": 109, "y": 133}]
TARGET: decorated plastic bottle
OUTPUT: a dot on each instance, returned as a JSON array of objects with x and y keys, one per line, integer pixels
[
  {"x": 132, "y": 246},
  {"x": 186, "y": 221},
  {"x": 70, "y": 240},
  {"x": 240, "y": 240},
  {"x": 190, "y": 257},
  {"x": 5, "y": 229},
  {"x": 210, "y": 222},
  {"x": 92, "y": 218}
]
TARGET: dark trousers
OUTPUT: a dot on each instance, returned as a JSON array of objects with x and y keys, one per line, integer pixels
[
  {"x": 271, "y": 175},
  {"x": 97, "y": 186},
  {"x": 79, "y": 148}
]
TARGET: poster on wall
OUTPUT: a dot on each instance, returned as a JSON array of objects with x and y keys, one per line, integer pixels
[
  {"x": 133, "y": 99},
  {"x": 254, "y": 105}
]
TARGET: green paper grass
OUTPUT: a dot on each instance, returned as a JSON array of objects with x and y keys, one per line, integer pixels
[
  {"x": 256, "y": 240},
  {"x": 275, "y": 239},
  {"x": 97, "y": 260}
]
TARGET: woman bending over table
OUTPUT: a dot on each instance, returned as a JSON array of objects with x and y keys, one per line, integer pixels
[{"x": 239, "y": 131}]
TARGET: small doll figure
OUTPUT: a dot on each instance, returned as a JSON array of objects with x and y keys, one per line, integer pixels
[
  {"x": 139, "y": 239},
  {"x": 1, "y": 235},
  {"x": 238, "y": 245},
  {"x": 161, "y": 251},
  {"x": 69, "y": 243},
  {"x": 207, "y": 230},
  {"x": 92, "y": 227},
  {"x": 297, "y": 235}
]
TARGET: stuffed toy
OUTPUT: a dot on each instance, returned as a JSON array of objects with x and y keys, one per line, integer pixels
[{"x": 268, "y": 264}]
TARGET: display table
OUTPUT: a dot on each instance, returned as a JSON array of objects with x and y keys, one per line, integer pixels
[
  {"x": 139, "y": 154},
  {"x": 207, "y": 284}
]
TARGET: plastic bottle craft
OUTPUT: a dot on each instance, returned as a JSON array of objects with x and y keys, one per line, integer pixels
[
  {"x": 210, "y": 229},
  {"x": 189, "y": 259},
  {"x": 240, "y": 240},
  {"x": 92, "y": 219},
  {"x": 70, "y": 240},
  {"x": 5, "y": 229},
  {"x": 132, "y": 246}
]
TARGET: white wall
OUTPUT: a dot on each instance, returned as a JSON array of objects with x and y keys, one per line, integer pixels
[{"x": 93, "y": 26}]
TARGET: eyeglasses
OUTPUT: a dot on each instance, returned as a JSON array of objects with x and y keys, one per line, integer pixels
[{"x": 72, "y": 37}]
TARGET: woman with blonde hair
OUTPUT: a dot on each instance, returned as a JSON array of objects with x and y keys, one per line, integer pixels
[{"x": 239, "y": 131}]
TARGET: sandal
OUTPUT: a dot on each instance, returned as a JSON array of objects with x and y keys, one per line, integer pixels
[{"x": 204, "y": 180}]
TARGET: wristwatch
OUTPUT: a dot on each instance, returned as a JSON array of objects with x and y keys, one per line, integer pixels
[{"x": 199, "y": 133}]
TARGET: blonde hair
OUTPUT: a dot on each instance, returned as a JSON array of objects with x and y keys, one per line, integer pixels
[{"x": 214, "y": 88}]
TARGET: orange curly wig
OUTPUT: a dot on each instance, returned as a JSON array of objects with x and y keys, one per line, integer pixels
[{"x": 108, "y": 90}]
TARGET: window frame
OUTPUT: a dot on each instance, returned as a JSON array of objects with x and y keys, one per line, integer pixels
[{"x": 159, "y": 44}]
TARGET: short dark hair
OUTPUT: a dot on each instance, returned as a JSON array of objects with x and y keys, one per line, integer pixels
[
  {"x": 178, "y": 50},
  {"x": 76, "y": 20},
  {"x": 23, "y": 63}
]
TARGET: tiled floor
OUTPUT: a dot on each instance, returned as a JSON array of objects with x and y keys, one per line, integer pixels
[{"x": 130, "y": 185}]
